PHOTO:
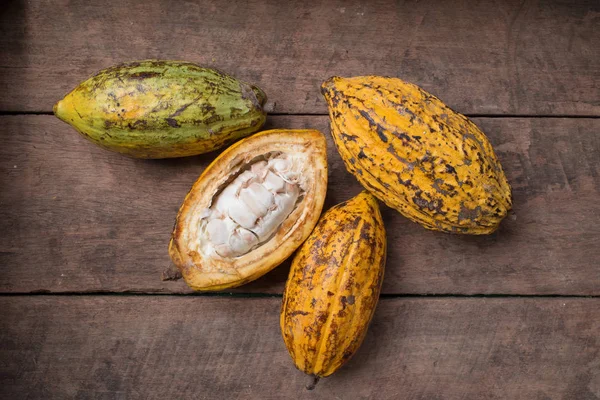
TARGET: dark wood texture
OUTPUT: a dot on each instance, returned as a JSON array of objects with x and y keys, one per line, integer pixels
[
  {"x": 162, "y": 347},
  {"x": 78, "y": 218},
  {"x": 484, "y": 57}
]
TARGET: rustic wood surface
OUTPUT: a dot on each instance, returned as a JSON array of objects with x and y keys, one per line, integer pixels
[
  {"x": 484, "y": 57},
  {"x": 162, "y": 347},
  {"x": 520, "y": 318},
  {"x": 78, "y": 218}
]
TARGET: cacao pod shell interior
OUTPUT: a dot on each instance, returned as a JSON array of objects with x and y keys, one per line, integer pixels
[{"x": 250, "y": 209}]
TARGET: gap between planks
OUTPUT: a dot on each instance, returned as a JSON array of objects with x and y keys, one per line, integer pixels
[
  {"x": 555, "y": 116},
  {"x": 278, "y": 295}
]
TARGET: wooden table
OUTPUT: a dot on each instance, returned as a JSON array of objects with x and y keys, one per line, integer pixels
[{"x": 84, "y": 232}]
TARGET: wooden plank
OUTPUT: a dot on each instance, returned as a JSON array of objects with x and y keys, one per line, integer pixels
[
  {"x": 74, "y": 217},
  {"x": 157, "y": 347},
  {"x": 484, "y": 57}
]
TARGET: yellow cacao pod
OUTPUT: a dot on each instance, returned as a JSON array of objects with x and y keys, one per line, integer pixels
[
  {"x": 417, "y": 155},
  {"x": 250, "y": 209},
  {"x": 333, "y": 286},
  {"x": 162, "y": 109}
]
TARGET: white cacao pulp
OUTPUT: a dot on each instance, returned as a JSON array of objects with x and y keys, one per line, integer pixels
[{"x": 250, "y": 209}]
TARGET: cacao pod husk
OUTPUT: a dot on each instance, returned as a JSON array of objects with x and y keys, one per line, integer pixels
[
  {"x": 418, "y": 156},
  {"x": 250, "y": 209},
  {"x": 333, "y": 286},
  {"x": 163, "y": 109}
]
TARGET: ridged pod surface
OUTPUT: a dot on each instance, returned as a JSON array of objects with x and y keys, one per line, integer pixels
[
  {"x": 250, "y": 209},
  {"x": 333, "y": 286},
  {"x": 417, "y": 155},
  {"x": 163, "y": 109}
]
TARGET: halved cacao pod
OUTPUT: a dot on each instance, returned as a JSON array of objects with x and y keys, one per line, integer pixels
[
  {"x": 250, "y": 209},
  {"x": 162, "y": 109},
  {"x": 417, "y": 155},
  {"x": 333, "y": 286}
]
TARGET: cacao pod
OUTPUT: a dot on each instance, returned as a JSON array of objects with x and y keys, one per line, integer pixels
[
  {"x": 163, "y": 109},
  {"x": 417, "y": 155},
  {"x": 333, "y": 286},
  {"x": 250, "y": 209}
]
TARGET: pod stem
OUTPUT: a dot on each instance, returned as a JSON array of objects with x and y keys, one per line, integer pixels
[
  {"x": 315, "y": 380},
  {"x": 171, "y": 273}
]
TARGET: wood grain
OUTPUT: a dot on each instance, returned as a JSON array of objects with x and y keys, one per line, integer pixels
[
  {"x": 484, "y": 57},
  {"x": 77, "y": 218},
  {"x": 158, "y": 347}
]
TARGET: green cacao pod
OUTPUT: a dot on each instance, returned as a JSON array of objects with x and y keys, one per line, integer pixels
[
  {"x": 417, "y": 155},
  {"x": 163, "y": 109}
]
